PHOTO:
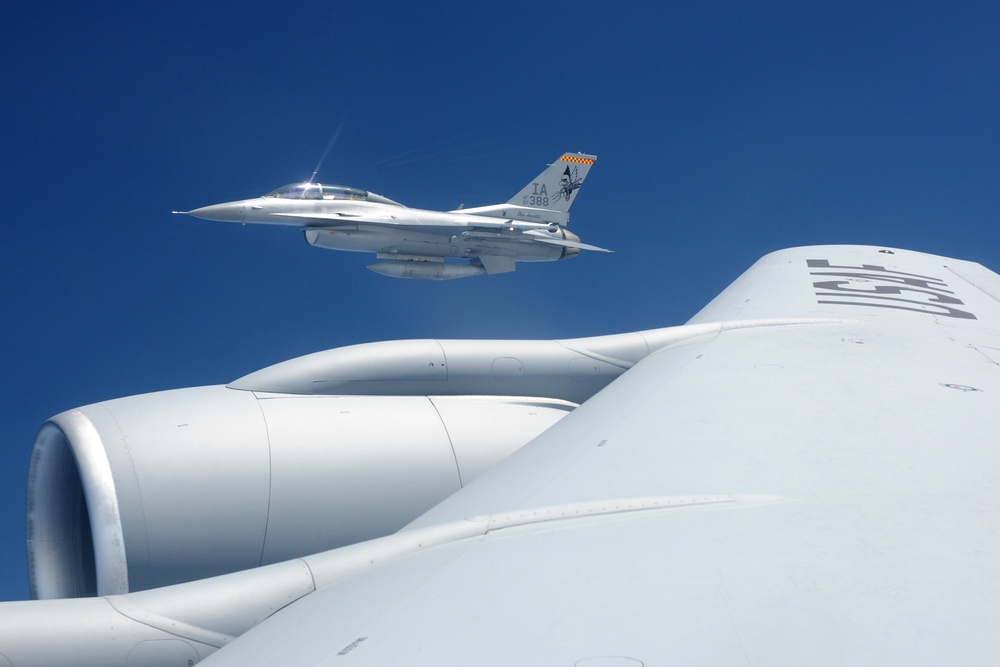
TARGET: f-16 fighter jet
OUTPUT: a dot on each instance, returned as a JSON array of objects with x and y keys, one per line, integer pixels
[{"x": 414, "y": 243}]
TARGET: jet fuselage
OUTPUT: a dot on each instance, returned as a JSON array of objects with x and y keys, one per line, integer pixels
[{"x": 528, "y": 228}]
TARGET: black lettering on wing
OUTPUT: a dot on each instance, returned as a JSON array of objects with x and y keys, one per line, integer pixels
[
  {"x": 927, "y": 308},
  {"x": 875, "y": 286},
  {"x": 825, "y": 264},
  {"x": 922, "y": 282},
  {"x": 841, "y": 286}
]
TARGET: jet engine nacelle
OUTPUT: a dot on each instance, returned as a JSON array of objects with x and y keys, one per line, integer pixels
[
  {"x": 162, "y": 488},
  {"x": 313, "y": 453}
]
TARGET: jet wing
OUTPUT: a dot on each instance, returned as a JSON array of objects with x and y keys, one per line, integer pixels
[
  {"x": 348, "y": 217},
  {"x": 402, "y": 222},
  {"x": 493, "y": 230},
  {"x": 815, "y": 489}
]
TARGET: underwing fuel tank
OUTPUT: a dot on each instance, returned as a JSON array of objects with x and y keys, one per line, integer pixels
[{"x": 425, "y": 270}]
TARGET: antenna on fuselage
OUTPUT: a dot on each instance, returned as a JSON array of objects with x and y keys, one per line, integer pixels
[{"x": 326, "y": 151}]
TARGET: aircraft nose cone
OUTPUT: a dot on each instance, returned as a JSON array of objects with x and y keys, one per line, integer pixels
[{"x": 230, "y": 212}]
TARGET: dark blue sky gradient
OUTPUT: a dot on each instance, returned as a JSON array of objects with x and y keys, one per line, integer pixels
[{"x": 724, "y": 130}]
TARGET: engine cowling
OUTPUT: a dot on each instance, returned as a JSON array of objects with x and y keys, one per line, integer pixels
[
  {"x": 161, "y": 488},
  {"x": 310, "y": 454}
]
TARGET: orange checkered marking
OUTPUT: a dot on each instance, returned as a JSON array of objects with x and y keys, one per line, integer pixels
[{"x": 571, "y": 158}]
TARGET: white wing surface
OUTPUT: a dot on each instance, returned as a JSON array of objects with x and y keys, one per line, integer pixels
[{"x": 813, "y": 493}]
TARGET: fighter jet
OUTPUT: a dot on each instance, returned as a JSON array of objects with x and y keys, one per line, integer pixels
[{"x": 414, "y": 243}]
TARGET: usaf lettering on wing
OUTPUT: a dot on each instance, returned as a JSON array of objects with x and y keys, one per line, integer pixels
[{"x": 879, "y": 287}]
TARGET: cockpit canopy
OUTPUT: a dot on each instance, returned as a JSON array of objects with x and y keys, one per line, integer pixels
[{"x": 319, "y": 191}]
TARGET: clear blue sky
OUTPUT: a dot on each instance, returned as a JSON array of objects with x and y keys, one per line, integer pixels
[{"x": 724, "y": 130}]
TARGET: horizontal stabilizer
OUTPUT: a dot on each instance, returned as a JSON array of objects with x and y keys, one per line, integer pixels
[{"x": 568, "y": 244}]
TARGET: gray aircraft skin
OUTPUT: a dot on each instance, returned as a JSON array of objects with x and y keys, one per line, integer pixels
[
  {"x": 805, "y": 473},
  {"x": 414, "y": 243}
]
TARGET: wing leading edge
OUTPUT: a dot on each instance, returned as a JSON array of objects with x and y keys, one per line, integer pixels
[{"x": 857, "y": 465}]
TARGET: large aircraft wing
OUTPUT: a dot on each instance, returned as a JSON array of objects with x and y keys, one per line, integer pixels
[{"x": 814, "y": 482}]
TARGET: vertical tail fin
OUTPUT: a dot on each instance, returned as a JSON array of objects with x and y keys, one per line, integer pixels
[{"x": 554, "y": 188}]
